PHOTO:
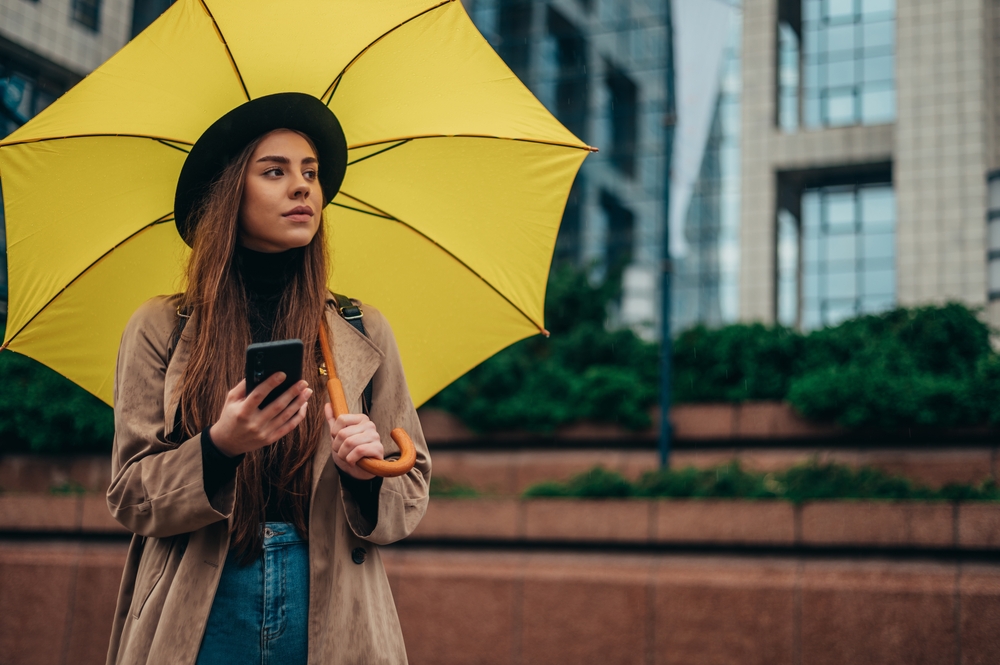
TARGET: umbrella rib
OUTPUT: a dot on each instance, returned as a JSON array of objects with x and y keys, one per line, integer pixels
[
  {"x": 558, "y": 144},
  {"x": 169, "y": 217},
  {"x": 171, "y": 145},
  {"x": 444, "y": 249},
  {"x": 378, "y": 152},
  {"x": 229, "y": 53},
  {"x": 327, "y": 96},
  {"x": 366, "y": 212},
  {"x": 158, "y": 139}
]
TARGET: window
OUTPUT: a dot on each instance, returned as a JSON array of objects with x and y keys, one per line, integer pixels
[
  {"x": 993, "y": 251},
  {"x": 88, "y": 13},
  {"x": 845, "y": 250},
  {"x": 788, "y": 77},
  {"x": 515, "y": 33},
  {"x": 624, "y": 119},
  {"x": 23, "y": 94},
  {"x": 838, "y": 58},
  {"x": 621, "y": 231},
  {"x": 572, "y": 88},
  {"x": 568, "y": 241},
  {"x": 144, "y": 12}
]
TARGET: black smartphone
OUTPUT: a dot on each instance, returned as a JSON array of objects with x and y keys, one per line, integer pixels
[{"x": 266, "y": 358}]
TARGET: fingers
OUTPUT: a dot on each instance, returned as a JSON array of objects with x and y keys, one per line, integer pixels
[
  {"x": 293, "y": 422},
  {"x": 238, "y": 392},
  {"x": 373, "y": 449},
  {"x": 258, "y": 394},
  {"x": 290, "y": 414}
]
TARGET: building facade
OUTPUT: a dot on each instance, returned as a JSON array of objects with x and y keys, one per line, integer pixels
[{"x": 869, "y": 136}]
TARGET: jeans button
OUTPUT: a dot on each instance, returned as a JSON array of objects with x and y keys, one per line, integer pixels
[
  {"x": 268, "y": 532},
  {"x": 358, "y": 555}
]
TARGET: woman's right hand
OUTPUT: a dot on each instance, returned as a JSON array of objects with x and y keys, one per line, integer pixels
[{"x": 244, "y": 427}]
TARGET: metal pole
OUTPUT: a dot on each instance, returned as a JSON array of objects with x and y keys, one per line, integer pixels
[{"x": 666, "y": 343}]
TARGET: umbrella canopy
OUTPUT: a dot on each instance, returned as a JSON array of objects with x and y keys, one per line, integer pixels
[{"x": 447, "y": 218}]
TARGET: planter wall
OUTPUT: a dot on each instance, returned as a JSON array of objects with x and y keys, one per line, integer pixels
[{"x": 531, "y": 607}]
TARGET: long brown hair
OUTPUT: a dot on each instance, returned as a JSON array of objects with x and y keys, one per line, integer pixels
[{"x": 221, "y": 330}]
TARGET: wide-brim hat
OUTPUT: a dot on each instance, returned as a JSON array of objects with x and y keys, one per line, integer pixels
[{"x": 226, "y": 138}]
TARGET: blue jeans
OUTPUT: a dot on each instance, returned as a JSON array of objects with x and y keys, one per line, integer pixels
[{"x": 261, "y": 611}]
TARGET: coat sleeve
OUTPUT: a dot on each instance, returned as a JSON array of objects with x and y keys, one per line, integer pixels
[
  {"x": 157, "y": 486},
  {"x": 402, "y": 500}
]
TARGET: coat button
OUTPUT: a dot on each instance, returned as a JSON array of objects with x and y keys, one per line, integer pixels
[{"x": 358, "y": 555}]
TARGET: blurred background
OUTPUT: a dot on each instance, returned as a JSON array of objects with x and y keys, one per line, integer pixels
[{"x": 805, "y": 195}]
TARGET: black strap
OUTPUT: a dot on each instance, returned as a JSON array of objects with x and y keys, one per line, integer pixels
[
  {"x": 352, "y": 313},
  {"x": 175, "y": 339}
]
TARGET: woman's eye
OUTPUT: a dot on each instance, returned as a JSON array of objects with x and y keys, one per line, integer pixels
[
  {"x": 274, "y": 170},
  {"x": 311, "y": 175}
]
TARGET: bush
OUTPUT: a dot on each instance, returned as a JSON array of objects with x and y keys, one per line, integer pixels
[
  {"x": 805, "y": 482},
  {"x": 583, "y": 371},
  {"x": 42, "y": 411},
  {"x": 927, "y": 366}
]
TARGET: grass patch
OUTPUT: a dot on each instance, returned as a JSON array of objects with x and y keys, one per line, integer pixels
[
  {"x": 445, "y": 488},
  {"x": 812, "y": 481}
]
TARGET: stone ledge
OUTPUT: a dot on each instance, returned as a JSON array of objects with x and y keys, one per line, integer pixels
[{"x": 834, "y": 524}]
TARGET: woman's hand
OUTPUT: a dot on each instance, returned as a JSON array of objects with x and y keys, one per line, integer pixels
[
  {"x": 244, "y": 427},
  {"x": 353, "y": 436}
]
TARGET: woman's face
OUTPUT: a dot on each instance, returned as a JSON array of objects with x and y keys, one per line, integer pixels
[{"x": 282, "y": 198}]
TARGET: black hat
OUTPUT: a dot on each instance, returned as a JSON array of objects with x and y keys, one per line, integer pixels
[{"x": 230, "y": 134}]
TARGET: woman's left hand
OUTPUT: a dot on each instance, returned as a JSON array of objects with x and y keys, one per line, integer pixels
[{"x": 353, "y": 436}]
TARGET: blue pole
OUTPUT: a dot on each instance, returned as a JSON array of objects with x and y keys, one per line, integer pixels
[{"x": 666, "y": 343}]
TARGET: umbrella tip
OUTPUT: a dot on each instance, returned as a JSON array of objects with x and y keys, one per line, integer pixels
[
  {"x": 4, "y": 347},
  {"x": 546, "y": 333},
  {"x": 592, "y": 148}
]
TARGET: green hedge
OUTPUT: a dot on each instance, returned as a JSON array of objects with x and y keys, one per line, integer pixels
[
  {"x": 924, "y": 367},
  {"x": 806, "y": 482},
  {"x": 41, "y": 411}
]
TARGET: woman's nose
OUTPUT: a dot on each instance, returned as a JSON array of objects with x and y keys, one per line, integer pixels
[{"x": 301, "y": 188}]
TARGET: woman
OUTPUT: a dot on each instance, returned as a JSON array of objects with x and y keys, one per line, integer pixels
[{"x": 255, "y": 530}]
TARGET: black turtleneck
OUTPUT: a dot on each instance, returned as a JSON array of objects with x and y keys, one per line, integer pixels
[{"x": 264, "y": 277}]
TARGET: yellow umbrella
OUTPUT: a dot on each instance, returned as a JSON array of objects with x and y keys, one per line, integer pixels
[{"x": 456, "y": 181}]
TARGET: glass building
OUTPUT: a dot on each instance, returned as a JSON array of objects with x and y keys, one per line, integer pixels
[
  {"x": 601, "y": 67},
  {"x": 706, "y": 273}
]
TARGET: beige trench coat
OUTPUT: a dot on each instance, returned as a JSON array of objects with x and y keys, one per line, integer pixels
[{"x": 182, "y": 537}]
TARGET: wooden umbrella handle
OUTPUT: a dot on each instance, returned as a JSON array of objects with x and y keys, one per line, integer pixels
[{"x": 383, "y": 468}]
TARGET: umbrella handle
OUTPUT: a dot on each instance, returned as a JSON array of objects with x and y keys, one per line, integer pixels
[{"x": 383, "y": 468}]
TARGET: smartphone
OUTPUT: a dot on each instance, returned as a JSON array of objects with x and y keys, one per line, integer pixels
[{"x": 266, "y": 358}]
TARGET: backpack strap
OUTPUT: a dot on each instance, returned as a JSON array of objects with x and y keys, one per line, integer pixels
[
  {"x": 351, "y": 312},
  {"x": 175, "y": 337}
]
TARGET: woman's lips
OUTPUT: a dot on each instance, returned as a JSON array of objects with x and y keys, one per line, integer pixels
[{"x": 299, "y": 214}]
